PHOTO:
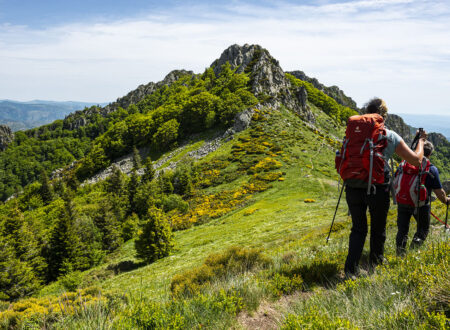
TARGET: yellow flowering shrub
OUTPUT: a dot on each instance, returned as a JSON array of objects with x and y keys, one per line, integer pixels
[
  {"x": 266, "y": 164},
  {"x": 211, "y": 206},
  {"x": 68, "y": 303},
  {"x": 268, "y": 176},
  {"x": 253, "y": 154}
]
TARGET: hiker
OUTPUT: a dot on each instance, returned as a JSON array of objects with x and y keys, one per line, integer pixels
[
  {"x": 407, "y": 206},
  {"x": 370, "y": 189}
]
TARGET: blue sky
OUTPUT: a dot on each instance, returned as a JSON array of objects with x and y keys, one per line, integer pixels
[{"x": 97, "y": 51}]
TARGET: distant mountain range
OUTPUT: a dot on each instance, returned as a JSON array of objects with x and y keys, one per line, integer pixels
[
  {"x": 25, "y": 115},
  {"x": 431, "y": 123}
]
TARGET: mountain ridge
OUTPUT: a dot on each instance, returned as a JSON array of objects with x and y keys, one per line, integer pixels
[{"x": 217, "y": 201}]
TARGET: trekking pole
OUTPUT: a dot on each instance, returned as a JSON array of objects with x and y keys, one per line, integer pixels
[
  {"x": 446, "y": 217},
  {"x": 416, "y": 139},
  {"x": 337, "y": 206}
]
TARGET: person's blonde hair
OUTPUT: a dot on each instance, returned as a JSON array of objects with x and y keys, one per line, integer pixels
[
  {"x": 428, "y": 148},
  {"x": 377, "y": 105}
]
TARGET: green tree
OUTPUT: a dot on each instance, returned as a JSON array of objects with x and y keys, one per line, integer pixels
[
  {"x": 89, "y": 251},
  {"x": 165, "y": 182},
  {"x": 115, "y": 183},
  {"x": 93, "y": 162},
  {"x": 137, "y": 161},
  {"x": 133, "y": 185},
  {"x": 130, "y": 227},
  {"x": 145, "y": 197},
  {"x": 196, "y": 111},
  {"x": 17, "y": 278},
  {"x": 183, "y": 181},
  {"x": 46, "y": 190},
  {"x": 63, "y": 240},
  {"x": 166, "y": 134},
  {"x": 13, "y": 223},
  {"x": 155, "y": 238},
  {"x": 109, "y": 227},
  {"x": 132, "y": 109},
  {"x": 149, "y": 171}
]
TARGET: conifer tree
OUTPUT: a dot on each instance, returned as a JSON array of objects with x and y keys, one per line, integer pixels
[
  {"x": 183, "y": 184},
  {"x": 24, "y": 241},
  {"x": 137, "y": 161},
  {"x": 116, "y": 182},
  {"x": 130, "y": 227},
  {"x": 30, "y": 249},
  {"x": 149, "y": 171},
  {"x": 165, "y": 183},
  {"x": 17, "y": 278},
  {"x": 109, "y": 227},
  {"x": 132, "y": 188},
  {"x": 13, "y": 222},
  {"x": 72, "y": 181},
  {"x": 62, "y": 240},
  {"x": 155, "y": 238},
  {"x": 46, "y": 190},
  {"x": 145, "y": 197}
]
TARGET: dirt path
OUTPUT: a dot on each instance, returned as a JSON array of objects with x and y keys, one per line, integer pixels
[{"x": 269, "y": 315}]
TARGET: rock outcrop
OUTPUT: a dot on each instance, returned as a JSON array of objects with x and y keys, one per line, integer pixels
[
  {"x": 268, "y": 81},
  {"x": 6, "y": 137},
  {"x": 407, "y": 132},
  {"x": 397, "y": 124},
  {"x": 125, "y": 163},
  {"x": 438, "y": 139}
]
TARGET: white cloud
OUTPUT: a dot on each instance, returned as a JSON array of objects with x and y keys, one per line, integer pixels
[{"x": 393, "y": 49}]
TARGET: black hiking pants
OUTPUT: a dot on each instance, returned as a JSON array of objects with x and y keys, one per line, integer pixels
[
  {"x": 403, "y": 219},
  {"x": 378, "y": 203}
]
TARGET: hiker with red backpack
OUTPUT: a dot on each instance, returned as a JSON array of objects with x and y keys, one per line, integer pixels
[
  {"x": 413, "y": 186},
  {"x": 363, "y": 165}
]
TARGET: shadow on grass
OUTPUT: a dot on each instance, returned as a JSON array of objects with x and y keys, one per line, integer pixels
[{"x": 125, "y": 266}]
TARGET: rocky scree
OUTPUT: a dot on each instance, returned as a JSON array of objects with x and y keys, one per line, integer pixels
[{"x": 6, "y": 137}]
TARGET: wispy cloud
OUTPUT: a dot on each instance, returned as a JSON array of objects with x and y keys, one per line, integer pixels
[{"x": 394, "y": 49}]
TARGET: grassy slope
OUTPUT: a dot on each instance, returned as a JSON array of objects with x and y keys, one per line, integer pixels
[
  {"x": 282, "y": 223},
  {"x": 282, "y": 216}
]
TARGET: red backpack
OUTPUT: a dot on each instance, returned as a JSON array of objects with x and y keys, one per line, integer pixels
[
  {"x": 360, "y": 162},
  {"x": 406, "y": 183}
]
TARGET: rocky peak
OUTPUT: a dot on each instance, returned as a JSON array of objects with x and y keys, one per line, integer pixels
[
  {"x": 438, "y": 139},
  {"x": 407, "y": 132},
  {"x": 238, "y": 56},
  {"x": 6, "y": 137},
  {"x": 397, "y": 124},
  {"x": 268, "y": 80}
]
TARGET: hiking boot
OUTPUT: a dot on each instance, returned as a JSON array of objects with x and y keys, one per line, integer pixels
[
  {"x": 375, "y": 260},
  {"x": 416, "y": 243},
  {"x": 350, "y": 276}
]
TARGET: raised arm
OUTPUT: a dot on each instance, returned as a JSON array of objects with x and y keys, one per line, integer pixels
[
  {"x": 440, "y": 193},
  {"x": 412, "y": 157}
]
